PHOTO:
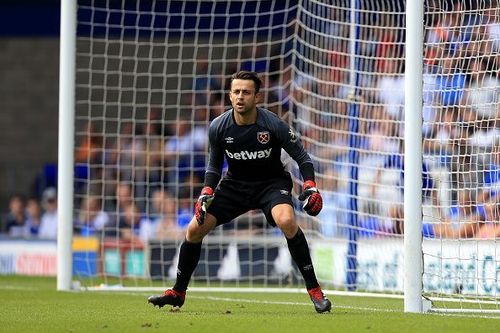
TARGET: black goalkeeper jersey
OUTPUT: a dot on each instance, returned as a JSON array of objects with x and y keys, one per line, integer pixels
[{"x": 253, "y": 152}]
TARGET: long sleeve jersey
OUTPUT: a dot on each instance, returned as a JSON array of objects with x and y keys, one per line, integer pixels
[{"x": 253, "y": 151}]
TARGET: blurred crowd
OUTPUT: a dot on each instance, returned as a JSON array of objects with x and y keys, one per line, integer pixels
[
  {"x": 461, "y": 123},
  {"x": 142, "y": 182},
  {"x": 30, "y": 217}
]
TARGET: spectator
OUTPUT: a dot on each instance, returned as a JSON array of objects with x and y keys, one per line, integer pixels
[
  {"x": 89, "y": 149},
  {"x": 122, "y": 199},
  {"x": 204, "y": 80},
  {"x": 464, "y": 218},
  {"x": 157, "y": 204},
  {"x": 91, "y": 218},
  {"x": 333, "y": 144},
  {"x": 88, "y": 157},
  {"x": 48, "y": 226},
  {"x": 391, "y": 88},
  {"x": 446, "y": 132},
  {"x": 154, "y": 141},
  {"x": 165, "y": 221},
  {"x": 185, "y": 152},
  {"x": 383, "y": 133},
  {"x": 483, "y": 95},
  {"x": 490, "y": 192},
  {"x": 279, "y": 89},
  {"x": 430, "y": 99},
  {"x": 450, "y": 82},
  {"x": 449, "y": 28},
  {"x": 484, "y": 100},
  {"x": 490, "y": 229},
  {"x": 484, "y": 136},
  {"x": 16, "y": 218},
  {"x": 130, "y": 159},
  {"x": 396, "y": 210},
  {"x": 184, "y": 212},
  {"x": 134, "y": 225},
  {"x": 34, "y": 217},
  {"x": 333, "y": 216},
  {"x": 493, "y": 26},
  {"x": 217, "y": 106}
]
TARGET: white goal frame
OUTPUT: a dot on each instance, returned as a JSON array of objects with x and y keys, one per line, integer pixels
[{"x": 412, "y": 239}]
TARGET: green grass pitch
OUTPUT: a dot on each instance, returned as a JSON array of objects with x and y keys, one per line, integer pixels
[{"x": 33, "y": 305}]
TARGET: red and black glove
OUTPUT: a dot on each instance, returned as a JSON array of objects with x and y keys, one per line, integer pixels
[
  {"x": 313, "y": 201},
  {"x": 201, "y": 206}
]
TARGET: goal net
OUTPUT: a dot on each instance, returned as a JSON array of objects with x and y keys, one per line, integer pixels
[
  {"x": 151, "y": 75},
  {"x": 461, "y": 147}
]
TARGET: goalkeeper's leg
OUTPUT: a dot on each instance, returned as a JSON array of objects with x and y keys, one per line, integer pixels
[
  {"x": 284, "y": 218},
  {"x": 189, "y": 255}
]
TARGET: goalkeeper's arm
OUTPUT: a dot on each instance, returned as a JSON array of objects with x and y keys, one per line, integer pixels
[
  {"x": 212, "y": 177},
  {"x": 313, "y": 203}
]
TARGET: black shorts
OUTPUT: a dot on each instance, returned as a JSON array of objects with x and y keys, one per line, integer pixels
[{"x": 235, "y": 197}]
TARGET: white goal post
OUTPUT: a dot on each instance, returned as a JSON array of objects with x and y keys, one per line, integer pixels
[
  {"x": 67, "y": 70},
  {"x": 413, "y": 162},
  {"x": 396, "y": 101}
]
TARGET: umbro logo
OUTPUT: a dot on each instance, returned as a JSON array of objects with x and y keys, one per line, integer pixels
[
  {"x": 284, "y": 192},
  {"x": 229, "y": 139}
]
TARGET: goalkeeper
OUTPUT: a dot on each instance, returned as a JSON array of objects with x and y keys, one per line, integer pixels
[{"x": 251, "y": 139}]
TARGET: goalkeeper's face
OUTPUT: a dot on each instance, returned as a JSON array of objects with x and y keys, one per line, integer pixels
[{"x": 243, "y": 96}]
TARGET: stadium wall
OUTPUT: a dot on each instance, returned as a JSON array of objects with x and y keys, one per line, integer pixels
[{"x": 28, "y": 112}]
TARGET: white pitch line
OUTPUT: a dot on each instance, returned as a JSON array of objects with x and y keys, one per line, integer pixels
[
  {"x": 7, "y": 287},
  {"x": 243, "y": 300}
]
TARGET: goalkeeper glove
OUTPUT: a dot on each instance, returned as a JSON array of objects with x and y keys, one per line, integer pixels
[
  {"x": 201, "y": 206},
  {"x": 313, "y": 201}
]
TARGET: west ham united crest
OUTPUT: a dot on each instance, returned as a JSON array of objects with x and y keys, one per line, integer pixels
[{"x": 263, "y": 137}]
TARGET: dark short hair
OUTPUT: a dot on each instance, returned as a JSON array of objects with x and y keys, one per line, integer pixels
[
  {"x": 18, "y": 196},
  {"x": 247, "y": 75}
]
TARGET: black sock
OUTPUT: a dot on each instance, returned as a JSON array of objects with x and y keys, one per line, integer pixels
[
  {"x": 189, "y": 255},
  {"x": 300, "y": 253}
]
